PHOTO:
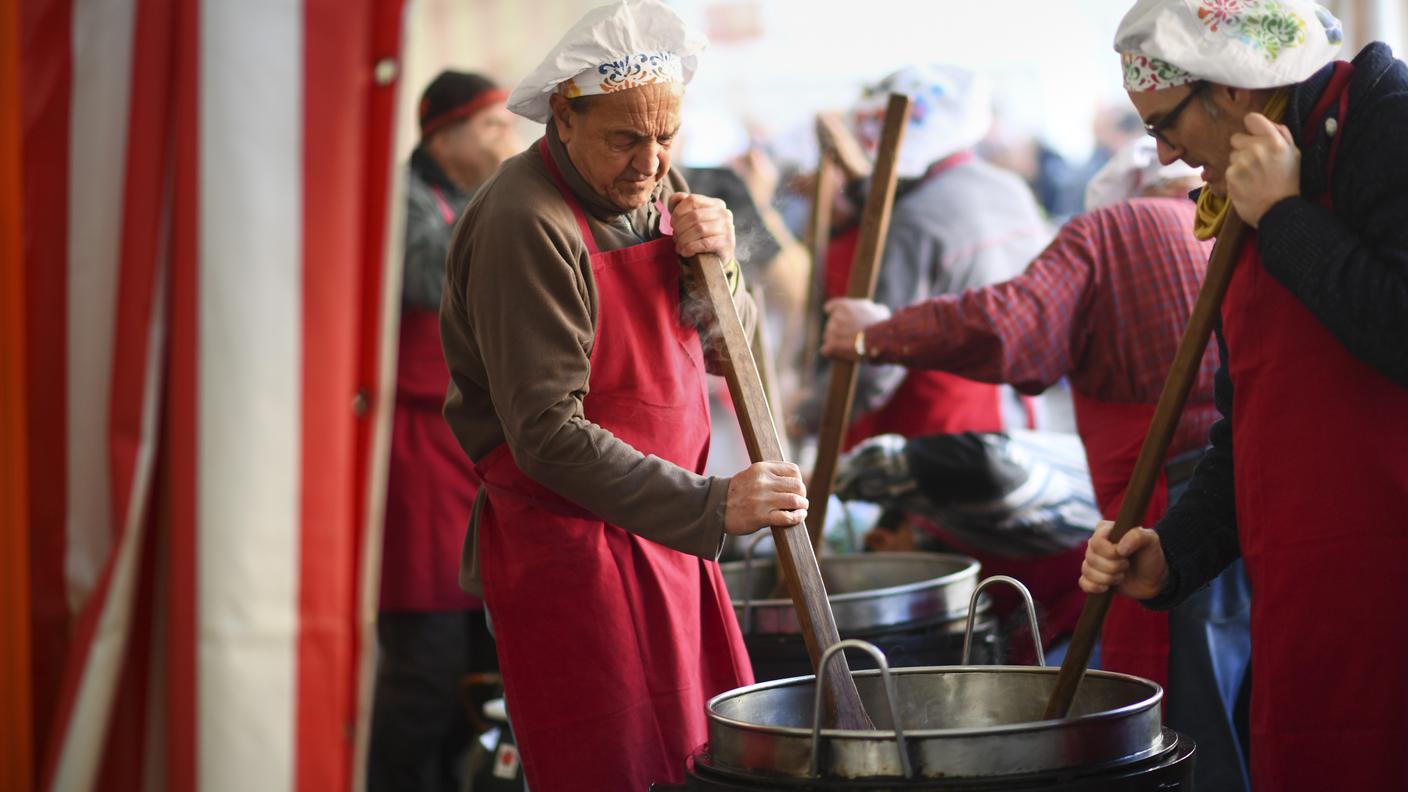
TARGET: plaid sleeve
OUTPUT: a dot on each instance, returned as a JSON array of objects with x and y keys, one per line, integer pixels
[{"x": 1021, "y": 332}]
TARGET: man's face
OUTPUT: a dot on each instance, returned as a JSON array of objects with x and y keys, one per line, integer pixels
[
  {"x": 472, "y": 150},
  {"x": 621, "y": 145},
  {"x": 1200, "y": 138}
]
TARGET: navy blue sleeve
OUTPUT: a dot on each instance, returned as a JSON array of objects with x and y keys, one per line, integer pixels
[
  {"x": 1199, "y": 532},
  {"x": 1349, "y": 267}
]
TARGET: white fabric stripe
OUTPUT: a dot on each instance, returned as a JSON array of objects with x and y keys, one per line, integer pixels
[
  {"x": 101, "y": 38},
  {"x": 102, "y": 67},
  {"x": 249, "y": 392},
  {"x": 90, "y": 720}
]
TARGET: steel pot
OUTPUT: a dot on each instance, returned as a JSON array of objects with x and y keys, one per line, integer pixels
[
  {"x": 867, "y": 591},
  {"x": 937, "y": 722}
]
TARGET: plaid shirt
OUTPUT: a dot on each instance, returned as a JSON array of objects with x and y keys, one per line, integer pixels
[{"x": 1105, "y": 305}]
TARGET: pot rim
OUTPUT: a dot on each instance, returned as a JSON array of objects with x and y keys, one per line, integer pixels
[{"x": 916, "y": 734}]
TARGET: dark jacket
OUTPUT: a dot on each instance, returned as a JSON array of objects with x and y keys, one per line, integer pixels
[
  {"x": 428, "y": 231},
  {"x": 1349, "y": 267}
]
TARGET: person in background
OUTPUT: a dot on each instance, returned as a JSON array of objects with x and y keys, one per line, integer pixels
[
  {"x": 430, "y": 633},
  {"x": 1104, "y": 305},
  {"x": 957, "y": 223},
  {"x": 578, "y": 389},
  {"x": 1308, "y": 470}
]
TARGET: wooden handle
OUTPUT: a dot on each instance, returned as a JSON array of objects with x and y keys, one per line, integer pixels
[
  {"x": 828, "y": 182},
  {"x": 1153, "y": 453},
  {"x": 835, "y": 138},
  {"x": 794, "y": 550},
  {"x": 841, "y": 391}
]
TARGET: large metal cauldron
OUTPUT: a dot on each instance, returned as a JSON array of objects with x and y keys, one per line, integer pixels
[
  {"x": 955, "y": 727},
  {"x": 911, "y": 605}
]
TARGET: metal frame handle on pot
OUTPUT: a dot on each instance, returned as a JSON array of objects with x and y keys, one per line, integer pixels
[
  {"x": 900, "y": 743},
  {"x": 1031, "y": 615},
  {"x": 747, "y": 625}
]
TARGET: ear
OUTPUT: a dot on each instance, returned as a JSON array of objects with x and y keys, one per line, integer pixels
[
  {"x": 562, "y": 116},
  {"x": 1241, "y": 100}
]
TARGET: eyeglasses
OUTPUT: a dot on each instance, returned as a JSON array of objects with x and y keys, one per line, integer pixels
[{"x": 1167, "y": 122}]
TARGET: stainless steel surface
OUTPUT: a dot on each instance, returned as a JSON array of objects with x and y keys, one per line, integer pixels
[
  {"x": 959, "y": 721},
  {"x": 1031, "y": 616},
  {"x": 896, "y": 722},
  {"x": 866, "y": 590}
]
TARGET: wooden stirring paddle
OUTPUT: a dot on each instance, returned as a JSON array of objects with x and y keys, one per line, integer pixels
[
  {"x": 1151, "y": 455},
  {"x": 794, "y": 548},
  {"x": 841, "y": 391}
]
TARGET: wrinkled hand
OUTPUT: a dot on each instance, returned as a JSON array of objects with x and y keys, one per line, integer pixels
[
  {"x": 1135, "y": 567},
  {"x": 845, "y": 318},
  {"x": 1264, "y": 168},
  {"x": 702, "y": 225},
  {"x": 764, "y": 495}
]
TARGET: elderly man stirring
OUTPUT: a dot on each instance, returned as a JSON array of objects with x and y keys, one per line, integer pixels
[
  {"x": 1308, "y": 470},
  {"x": 578, "y": 389}
]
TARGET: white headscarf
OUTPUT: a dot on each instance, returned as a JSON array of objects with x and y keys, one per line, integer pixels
[
  {"x": 612, "y": 48},
  {"x": 1133, "y": 169},
  {"x": 1241, "y": 43},
  {"x": 951, "y": 112}
]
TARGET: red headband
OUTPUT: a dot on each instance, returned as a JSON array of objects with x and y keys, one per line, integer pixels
[{"x": 483, "y": 100}]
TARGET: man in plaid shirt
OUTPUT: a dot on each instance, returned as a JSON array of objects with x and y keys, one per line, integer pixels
[{"x": 1104, "y": 305}]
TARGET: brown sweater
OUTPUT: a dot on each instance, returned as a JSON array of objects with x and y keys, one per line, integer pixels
[{"x": 517, "y": 323}]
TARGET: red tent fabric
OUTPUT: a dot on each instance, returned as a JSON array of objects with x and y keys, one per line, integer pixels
[{"x": 207, "y": 326}]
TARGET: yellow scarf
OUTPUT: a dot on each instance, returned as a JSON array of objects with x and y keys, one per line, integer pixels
[{"x": 1212, "y": 209}]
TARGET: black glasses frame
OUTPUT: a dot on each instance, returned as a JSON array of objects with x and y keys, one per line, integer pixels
[{"x": 1157, "y": 130}]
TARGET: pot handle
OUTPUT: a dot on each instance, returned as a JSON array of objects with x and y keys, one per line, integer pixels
[
  {"x": 747, "y": 626},
  {"x": 900, "y": 743},
  {"x": 1031, "y": 615}
]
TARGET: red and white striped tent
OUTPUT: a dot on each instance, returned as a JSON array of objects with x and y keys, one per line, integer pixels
[{"x": 195, "y": 303}]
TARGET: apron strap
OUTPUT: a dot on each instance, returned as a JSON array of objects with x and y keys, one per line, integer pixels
[
  {"x": 569, "y": 197},
  {"x": 500, "y": 458},
  {"x": 1335, "y": 93},
  {"x": 446, "y": 213}
]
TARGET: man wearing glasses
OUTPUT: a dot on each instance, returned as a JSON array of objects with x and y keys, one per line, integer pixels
[{"x": 1313, "y": 387}]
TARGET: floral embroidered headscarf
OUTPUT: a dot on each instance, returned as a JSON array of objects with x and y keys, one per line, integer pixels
[
  {"x": 612, "y": 48},
  {"x": 1242, "y": 43}
]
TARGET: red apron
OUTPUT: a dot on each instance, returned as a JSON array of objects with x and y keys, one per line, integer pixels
[
  {"x": 1134, "y": 639},
  {"x": 1319, "y": 463},
  {"x": 429, "y": 487},
  {"x": 611, "y": 644},
  {"x": 926, "y": 402}
]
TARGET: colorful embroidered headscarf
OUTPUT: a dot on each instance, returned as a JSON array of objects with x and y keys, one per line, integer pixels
[
  {"x": 612, "y": 48},
  {"x": 1241, "y": 43},
  {"x": 951, "y": 111}
]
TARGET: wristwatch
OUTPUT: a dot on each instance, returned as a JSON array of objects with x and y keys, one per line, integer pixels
[{"x": 860, "y": 345}]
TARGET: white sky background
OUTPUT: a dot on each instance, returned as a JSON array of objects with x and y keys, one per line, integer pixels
[{"x": 1051, "y": 61}]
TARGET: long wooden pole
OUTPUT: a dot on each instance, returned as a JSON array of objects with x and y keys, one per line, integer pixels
[
  {"x": 795, "y": 558},
  {"x": 828, "y": 182},
  {"x": 1152, "y": 454},
  {"x": 841, "y": 391}
]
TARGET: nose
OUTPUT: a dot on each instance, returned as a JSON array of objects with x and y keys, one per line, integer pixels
[
  {"x": 646, "y": 161},
  {"x": 1168, "y": 153}
]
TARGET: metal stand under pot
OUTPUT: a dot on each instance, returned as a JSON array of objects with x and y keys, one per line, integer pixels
[
  {"x": 950, "y": 729},
  {"x": 912, "y": 606}
]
